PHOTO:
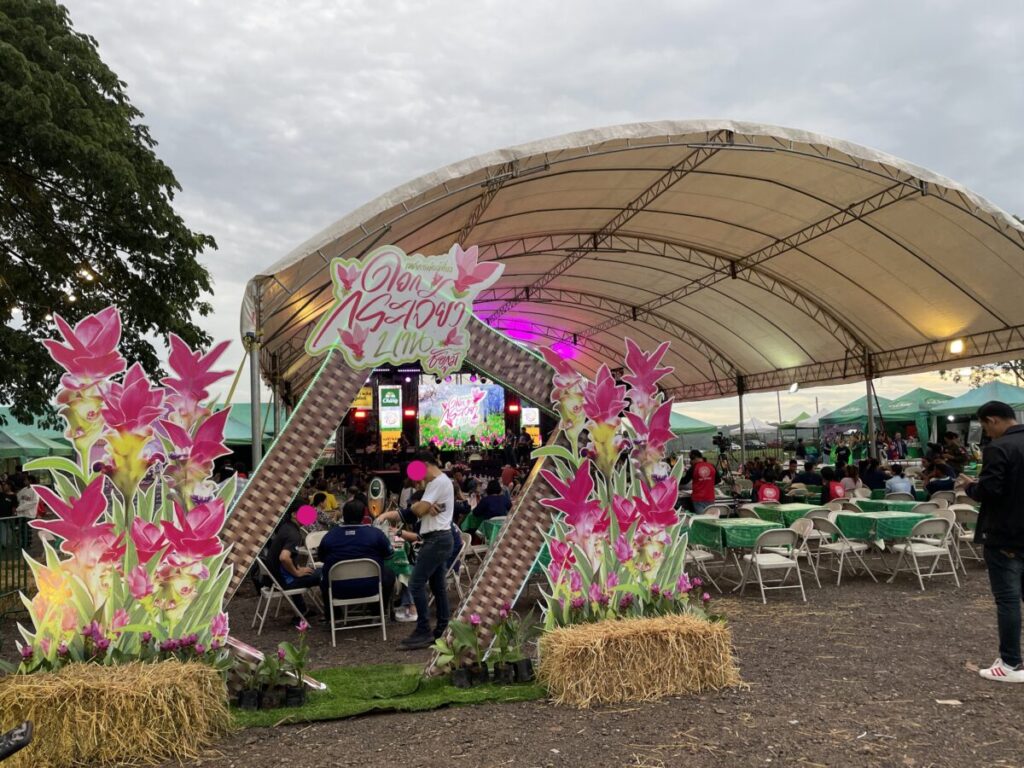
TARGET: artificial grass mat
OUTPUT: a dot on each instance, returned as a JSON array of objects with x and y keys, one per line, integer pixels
[{"x": 382, "y": 688}]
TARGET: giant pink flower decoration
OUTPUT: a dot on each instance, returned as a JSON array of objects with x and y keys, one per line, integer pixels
[
  {"x": 192, "y": 457},
  {"x": 469, "y": 271},
  {"x": 581, "y": 512},
  {"x": 89, "y": 353},
  {"x": 196, "y": 535},
  {"x": 625, "y": 512},
  {"x": 603, "y": 400},
  {"x": 657, "y": 510},
  {"x": 132, "y": 405},
  {"x": 77, "y": 523},
  {"x": 192, "y": 375},
  {"x": 644, "y": 375},
  {"x": 148, "y": 538}
]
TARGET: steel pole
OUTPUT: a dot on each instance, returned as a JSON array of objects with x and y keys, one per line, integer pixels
[
  {"x": 869, "y": 381},
  {"x": 254, "y": 400},
  {"x": 743, "y": 432}
]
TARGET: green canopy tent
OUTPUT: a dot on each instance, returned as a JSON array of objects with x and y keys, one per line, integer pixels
[
  {"x": 795, "y": 421},
  {"x": 855, "y": 413},
  {"x": 238, "y": 429},
  {"x": 30, "y": 441},
  {"x": 681, "y": 424},
  {"x": 969, "y": 402},
  {"x": 914, "y": 407}
]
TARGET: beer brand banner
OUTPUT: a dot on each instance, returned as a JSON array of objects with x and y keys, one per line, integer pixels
[{"x": 392, "y": 308}]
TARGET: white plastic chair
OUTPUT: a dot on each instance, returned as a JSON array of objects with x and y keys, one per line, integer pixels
[
  {"x": 929, "y": 538},
  {"x": 804, "y": 529},
  {"x": 717, "y": 510},
  {"x": 774, "y": 550},
  {"x": 349, "y": 570},
  {"x": 861, "y": 493},
  {"x": 948, "y": 496},
  {"x": 274, "y": 592},
  {"x": 900, "y": 496},
  {"x": 312, "y": 542},
  {"x": 841, "y": 547},
  {"x": 966, "y": 517},
  {"x": 926, "y": 508}
]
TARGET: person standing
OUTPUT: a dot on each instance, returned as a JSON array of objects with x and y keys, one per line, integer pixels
[
  {"x": 702, "y": 478},
  {"x": 435, "y": 511},
  {"x": 1000, "y": 530}
]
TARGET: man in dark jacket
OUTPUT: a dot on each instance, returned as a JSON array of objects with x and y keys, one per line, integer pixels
[{"x": 1000, "y": 489}]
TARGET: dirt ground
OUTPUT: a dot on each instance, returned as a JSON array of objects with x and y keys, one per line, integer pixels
[{"x": 862, "y": 675}]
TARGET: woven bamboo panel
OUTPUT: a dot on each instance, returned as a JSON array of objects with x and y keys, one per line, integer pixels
[{"x": 284, "y": 469}]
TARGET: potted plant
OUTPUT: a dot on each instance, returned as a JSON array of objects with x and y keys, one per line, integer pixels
[
  {"x": 249, "y": 696},
  {"x": 461, "y": 654},
  {"x": 270, "y": 680},
  {"x": 501, "y": 652},
  {"x": 295, "y": 658},
  {"x": 523, "y": 632}
]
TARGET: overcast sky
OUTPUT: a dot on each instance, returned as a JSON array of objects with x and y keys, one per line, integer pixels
[{"x": 280, "y": 117}]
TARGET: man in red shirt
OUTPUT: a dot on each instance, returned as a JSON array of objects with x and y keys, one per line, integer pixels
[{"x": 702, "y": 478}]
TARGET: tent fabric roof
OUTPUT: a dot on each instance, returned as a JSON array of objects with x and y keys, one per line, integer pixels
[
  {"x": 754, "y": 426},
  {"x": 857, "y": 410},
  {"x": 735, "y": 241},
  {"x": 791, "y": 423},
  {"x": 970, "y": 401},
  {"x": 681, "y": 424},
  {"x": 910, "y": 403}
]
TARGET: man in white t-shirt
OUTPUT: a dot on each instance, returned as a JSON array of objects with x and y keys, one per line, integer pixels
[{"x": 435, "y": 511}]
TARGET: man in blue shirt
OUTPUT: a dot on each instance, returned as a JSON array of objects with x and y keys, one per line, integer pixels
[{"x": 354, "y": 541}]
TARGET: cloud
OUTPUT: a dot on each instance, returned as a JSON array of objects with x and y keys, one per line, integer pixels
[{"x": 279, "y": 118}]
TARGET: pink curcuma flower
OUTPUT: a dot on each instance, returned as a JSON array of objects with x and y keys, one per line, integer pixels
[
  {"x": 196, "y": 535},
  {"x": 354, "y": 339},
  {"x": 88, "y": 540},
  {"x": 644, "y": 375},
  {"x": 578, "y": 602},
  {"x": 89, "y": 352},
  {"x": 581, "y": 512},
  {"x": 190, "y": 461},
  {"x": 280, "y": 654},
  {"x": 474, "y": 619},
  {"x": 469, "y": 272},
  {"x": 134, "y": 404},
  {"x": 603, "y": 400},
  {"x": 562, "y": 557},
  {"x": 612, "y": 580},
  {"x": 303, "y": 627},
  {"x": 626, "y": 512},
  {"x": 219, "y": 625},
  {"x": 120, "y": 620},
  {"x": 148, "y": 538},
  {"x": 347, "y": 275},
  {"x": 657, "y": 510},
  {"x": 656, "y": 433},
  {"x": 684, "y": 585},
  {"x": 139, "y": 584},
  {"x": 575, "y": 582},
  {"x": 623, "y": 550},
  {"x": 192, "y": 375},
  {"x": 596, "y": 595}
]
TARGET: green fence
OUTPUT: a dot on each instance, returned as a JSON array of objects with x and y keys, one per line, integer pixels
[{"x": 14, "y": 571}]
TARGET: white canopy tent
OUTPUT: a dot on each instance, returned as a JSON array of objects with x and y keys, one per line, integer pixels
[
  {"x": 735, "y": 241},
  {"x": 754, "y": 426}
]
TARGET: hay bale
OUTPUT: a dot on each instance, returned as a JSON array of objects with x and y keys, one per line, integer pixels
[
  {"x": 611, "y": 662},
  {"x": 133, "y": 714}
]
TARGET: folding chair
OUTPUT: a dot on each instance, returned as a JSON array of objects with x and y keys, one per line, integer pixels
[
  {"x": 861, "y": 493},
  {"x": 718, "y": 510},
  {"x": 840, "y": 546},
  {"x": 966, "y": 518},
  {"x": 926, "y": 508},
  {"x": 312, "y": 542},
  {"x": 805, "y": 530},
  {"x": 274, "y": 592},
  {"x": 747, "y": 510},
  {"x": 350, "y": 570},
  {"x": 947, "y": 496},
  {"x": 900, "y": 496},
  {"x": 963, "y": 498},
  {"x": 929, "y": 538},
  {"x": 849, "y": 506},
  {"x": 768, "y": 555},
  {"x": 836, "y": 505}
]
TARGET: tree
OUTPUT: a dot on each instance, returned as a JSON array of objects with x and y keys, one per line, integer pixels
[
  {"x": 978, "y": 375},
  {"x": 85, "y": 207}
]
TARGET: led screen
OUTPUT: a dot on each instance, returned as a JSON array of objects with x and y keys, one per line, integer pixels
[{"x": 451, "y": 413}]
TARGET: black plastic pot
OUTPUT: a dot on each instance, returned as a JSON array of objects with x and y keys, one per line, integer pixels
[
  {"x": 460, "y": 678},
  {"x": 479, "y": 674},
  {"x": 295, "y": 695},
  {"x": 272, "y": 698},
  {"x": 249, "y": 699},
  {"x": 524, "y": 670},
  {"x": 504, "y": 673}
]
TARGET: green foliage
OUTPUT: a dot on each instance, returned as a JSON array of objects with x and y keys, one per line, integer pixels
[
  {"x": 463, "y": 649},
  {"x": 85, "y": 206},
  {"x": 979, "y": 375}
]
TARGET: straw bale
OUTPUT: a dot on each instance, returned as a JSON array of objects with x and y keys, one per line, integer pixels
[
  {"x": 610, "y": 662},
  {"x": 132, "y": 714}
]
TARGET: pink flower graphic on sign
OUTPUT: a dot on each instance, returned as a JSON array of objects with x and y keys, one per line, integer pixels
[
  {"x": 90, "y": 350},
  {"x": 347, "y": 275},
  {"x": 454, "y": 338},
  {"x": 469, "y": 271},
  {"x": 354, "y": 340}
]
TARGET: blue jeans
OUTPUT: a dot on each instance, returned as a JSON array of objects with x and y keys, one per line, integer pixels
[
  {"x": 1006, "y": 576},
  {"x": 699, "y": 507},
  {"x": 431, "y": 567}
]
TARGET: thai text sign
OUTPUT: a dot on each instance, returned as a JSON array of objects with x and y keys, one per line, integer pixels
[
  {"x": 462, "y": 410},
  {"x": 393, "y": 308}
]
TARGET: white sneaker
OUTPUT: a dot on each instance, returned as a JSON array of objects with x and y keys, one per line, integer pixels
[
  {"x": 405, "y": 615},
  {"x": 1002, "y": 672}
]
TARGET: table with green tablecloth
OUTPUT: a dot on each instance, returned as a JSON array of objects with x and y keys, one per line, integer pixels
[
  {"x": 870, "y": 526},
  {"x": 399, "y": 563},
  {"x": 730, "y": 533},
  {"x": 884, "y": 505},
  {"x": 783, "y": 513},
  {"x": 490, "y": 528},
  {"x": 878, "y": 494}
]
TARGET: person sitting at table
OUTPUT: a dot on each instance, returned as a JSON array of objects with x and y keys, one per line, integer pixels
[
  {"x": 354, "y": 541},
  {"x": 330, "y": 502},
  {"x": 874, "y": 477},
  {"x": 808, "y": 476},
  {"x": 324, "y": 518},
  {"x": 899, "y": 482},
  {"x": 851, "y": 482},
  {"x": 283, "y": 556},
  {"x": 494, "y": 504},
  {"x": 790, "y": 472},
  {"x": 768, "y": 490},
  {"x": 831, "y": 488},
  {"x": 953, "y": 453},
  {"x": 940, "y": 477}
]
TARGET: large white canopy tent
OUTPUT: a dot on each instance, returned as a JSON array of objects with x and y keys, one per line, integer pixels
[{"x": 765, "y": 255}]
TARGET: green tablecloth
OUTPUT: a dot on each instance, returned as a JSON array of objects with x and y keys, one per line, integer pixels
[
  {"x": 871, "y": 505},
  {"x": 490, "y": 529},
  {"x": 877, "y": 525},
  {"x": 783, "y": 513},
  {"x": 470, "y": 523},
  {"x": 399, "y": 563},
  {"x": 878, "y": 494},
  {"x": 729, "y": 533}
]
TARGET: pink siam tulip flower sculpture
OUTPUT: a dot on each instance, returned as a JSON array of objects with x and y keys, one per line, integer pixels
[
  {"x": 469, "y": 272},
  {"x": 139, "y": 560},
  {"x": 618, "y": 544}
]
